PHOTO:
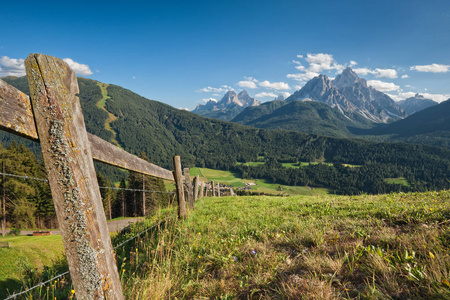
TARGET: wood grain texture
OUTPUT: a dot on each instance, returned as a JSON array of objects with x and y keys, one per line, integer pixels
[
  {"x": 202, "y": 190},
  {"x": 179, "y": 185},
  {"x": 196, "y": 184},
  {"x": 113, "y": 155},
  {"x": 72, "y": 178},
  {"x": 16, "y": 116},
  {"x": 189, "y": 188}
]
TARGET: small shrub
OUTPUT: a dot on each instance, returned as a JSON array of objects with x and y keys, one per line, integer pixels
[{"x": 15, "y": 231}]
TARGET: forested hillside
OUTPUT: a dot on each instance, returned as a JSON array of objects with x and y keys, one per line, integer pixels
[
  {"x": 311, "y": 117},
  {"x": 161, "y": 131}
]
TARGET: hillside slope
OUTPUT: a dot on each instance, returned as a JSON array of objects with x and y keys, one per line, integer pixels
[
  {"x": 311, "y": 117},
  {"x": 429, "y": 126}
]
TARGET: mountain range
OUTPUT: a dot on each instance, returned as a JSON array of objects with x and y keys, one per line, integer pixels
[
  {"x": 228, "y": 107},
  {"x": 343, "y": 107}
]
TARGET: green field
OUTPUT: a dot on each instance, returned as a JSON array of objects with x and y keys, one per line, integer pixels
[
  {"x": 262, "y": 186},
  {"x": 399, "y": 180},
  {"x": 328, "y": 247},
  {"x": 26, "y": 253}
]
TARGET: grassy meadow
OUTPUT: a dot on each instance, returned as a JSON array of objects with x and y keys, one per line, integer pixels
[
  {"x": 261, "y": 185},
  {"x": 27, "y": 255},
  {"x": 394, "y": 246}
]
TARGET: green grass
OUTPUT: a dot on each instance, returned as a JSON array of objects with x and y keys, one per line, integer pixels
[
  {"x": 252, "y": 163},
  {"x": 103, "y": 88},
  {"x": 262, "y": 186},
  {"x": 327, "y": 247},
  {"x": 393, "y": 246},
  {"x": 291, "y": 165},
  {"x": 225, "y": 177},
  {"x": 399, "y": 180},
  {"x": 272, "y": 188},
  {"x": 26, "y": 252}
]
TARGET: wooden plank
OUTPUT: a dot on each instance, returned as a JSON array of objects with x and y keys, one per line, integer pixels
[
  {"x": 113, "y": 155},
  {"x": 196, "y": 184},
  {"x": 72, "y": 178},
  {"x": 17, "y": 117},
  {"x": 189, "y": 188},
  {"x": 202, "y": 190},
  {"x": 179, "y": 185}
]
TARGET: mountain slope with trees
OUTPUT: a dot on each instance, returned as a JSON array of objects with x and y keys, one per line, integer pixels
[
  {"x": 161, "y": 131},
  {"x": 311, "y": 117}
]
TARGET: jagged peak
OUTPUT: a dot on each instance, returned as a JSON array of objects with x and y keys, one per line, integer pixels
[{"x": 348, "y": 77}]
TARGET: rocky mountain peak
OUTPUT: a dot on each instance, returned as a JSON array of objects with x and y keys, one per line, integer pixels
[
  {"x": 416, "y": 103},
  {"x": 228, "y": 107},
  {"x": 347, "y": 78},
  {"x": 280, "y": 97}
]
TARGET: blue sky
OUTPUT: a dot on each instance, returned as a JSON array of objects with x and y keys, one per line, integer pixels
[{"x": 184, "y": 52}]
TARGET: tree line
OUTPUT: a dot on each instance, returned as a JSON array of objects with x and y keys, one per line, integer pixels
[{"x": 29, "y": 203}]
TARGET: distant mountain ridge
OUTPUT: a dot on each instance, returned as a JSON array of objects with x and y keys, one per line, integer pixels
[
  {"x": 429, "y": 126},
  {"x": 415, "y": 104},
  {"x": 351, "y": 95},
  {"x": 228, "y": 107}
]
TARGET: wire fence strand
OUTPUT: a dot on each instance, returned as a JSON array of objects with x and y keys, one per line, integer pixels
[
  {"x": 15, "y": 295},
  {"x": 101, "y": 187}
]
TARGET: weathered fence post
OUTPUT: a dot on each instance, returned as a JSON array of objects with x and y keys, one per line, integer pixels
[
  {"x": 202, "y": 190},
  {"x": 180, "y": 188},
  {"x": 213, "y": 189},
  {"x": 3, "y": 198},
  {"x": 143, "y": 195},
  {"x": 218, "y": 189},
  {"x": 190, "y": 189},
  {"x": 72, "y": 178},
  {"x": 196, "y": 183}
]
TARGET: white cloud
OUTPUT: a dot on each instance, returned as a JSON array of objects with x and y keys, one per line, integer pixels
[
  {"x": 433, "y": 68},
  {"x": 363, "y": 71},
  {"x": 321, "y": 61},
  {"x": 388, "y": 73},
  {"x": 303, "y": 77},
  {"x": 274, "y": 85},
  {"x": 209, "y": 99},
  {"x": 265, "y": 94},
  {"x": 134, "y": 77},
  {"x": 79, "y": 69},
  {"x": 12, "y": 66},
  {"x": 437, "y": 97},
  {"x": 353, "y": 63},
  {"x": 210, "y": 89},
  {"x": 249, "y": 83},
  {"x": 405, "y": 76},
  {"x": 383, "y": 86},
  {"x": 317, "y": 62},
  {"x": 401, "y": 95},
  {"x": 285, "y": 94},
  {"x": 183, "y": 108},
  {"x": 404, "y": 95}
]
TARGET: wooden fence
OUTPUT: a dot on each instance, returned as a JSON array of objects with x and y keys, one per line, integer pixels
[{"x": 52, "y": 116}]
